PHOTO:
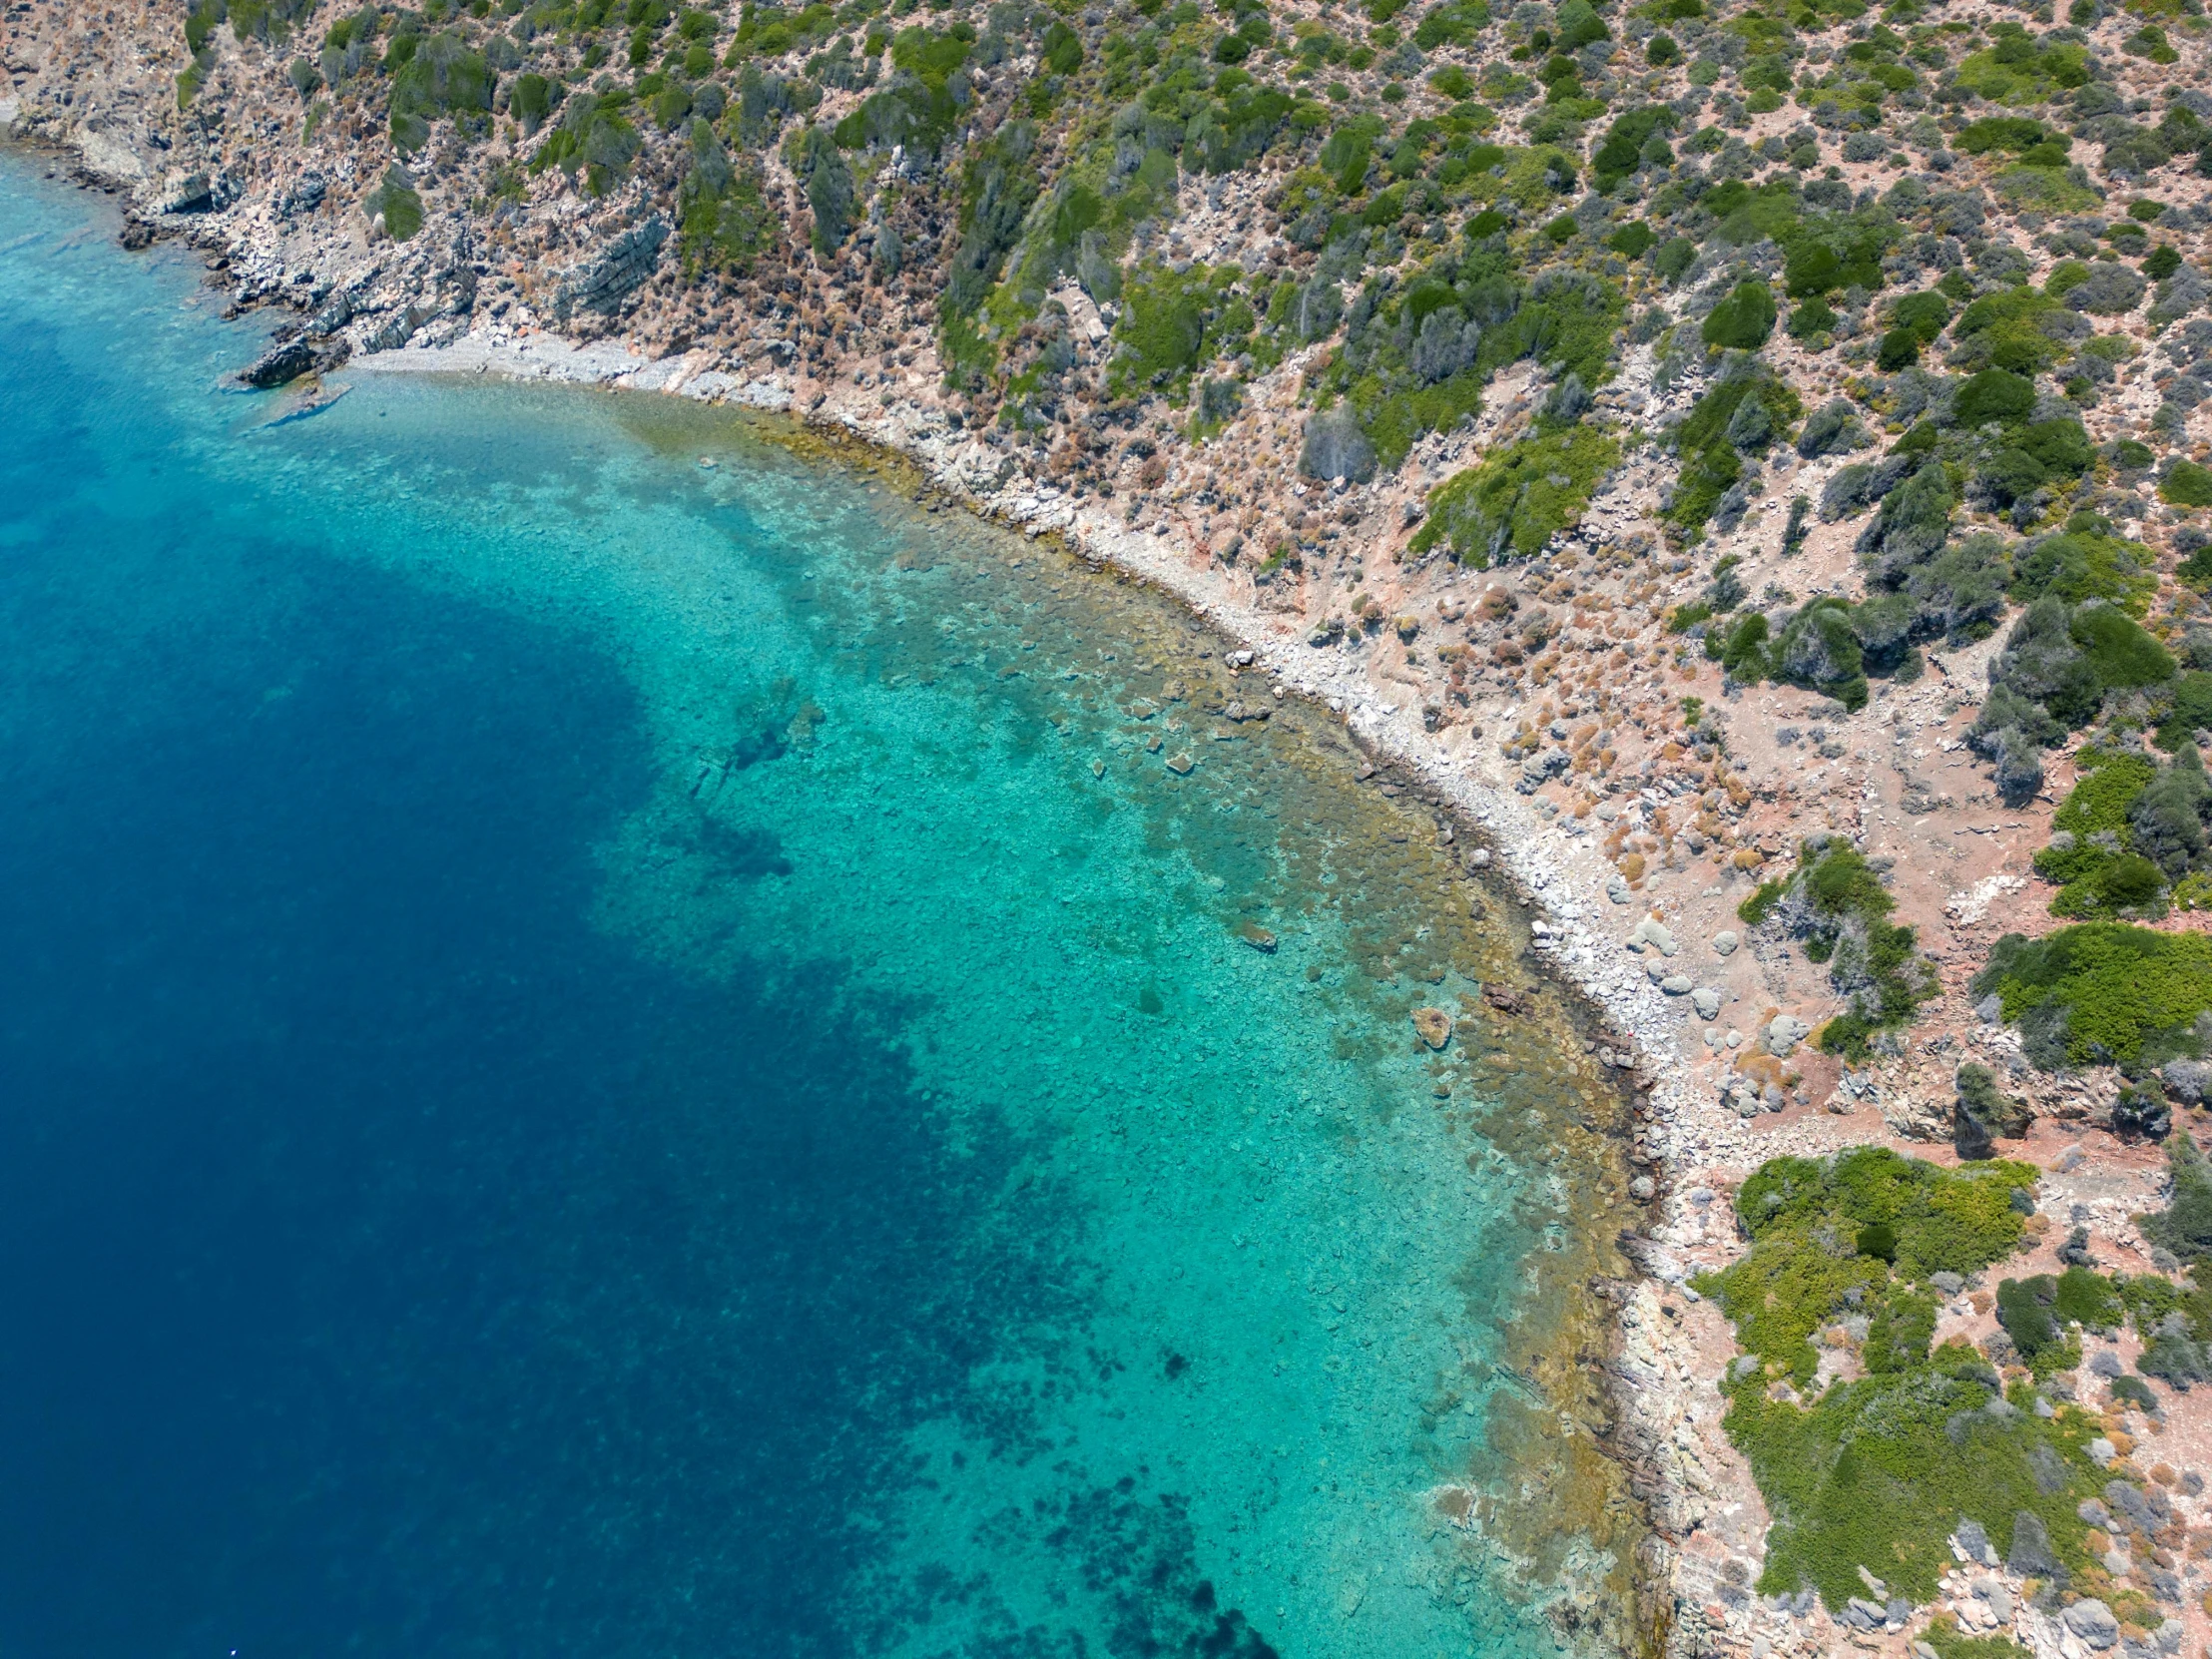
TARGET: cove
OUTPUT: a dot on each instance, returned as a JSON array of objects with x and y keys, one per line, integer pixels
[{"x": 619, "y": 1041}]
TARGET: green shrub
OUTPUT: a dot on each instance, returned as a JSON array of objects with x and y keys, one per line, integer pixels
[
  {"x": 1622, "y": 151},
  {"x": 1803, "y": 1213},
  {"x": 1882, "y": 1469},
  {"x": 2100, "y": 994},
  {"x": 1900, "y": 1331},
  {"x": 2088, "y": 1298},
  {"x": 820, "y": 167},
  {"x": 1926, "y": 313},
  {"x": 444, "y": 77},
  {"x": 2186, "y": 484},
  {"x": 998, "y": 184},
  {"x": 1756, "y": 908},
  {"x": 2096, "y": 810},
  {"x": 1996, "y": 1112},
  {"x": 1517, "y": 498},
  {"x": 1820, "y": 650},
  {"x": 593, "y": 136},
  {"x": 531, "y": 99},
  {"x": 2185, "y": 1226},
  {"x": 1994, "y": 395},
  {"x": 1416, "y": 359},
  {"x": 723, "y": 218},
  {"x": 1900, "y": 348},
  {"x": 2004, "y": 330},
  {"x": 1950, "y": 1642},
  {"x": 2117, "y": 648},
  {"x": 1710, "y": 463},
  {"x": 2023, "y": 1309},
  {"x": 1744, "y": 321},
  {"x": 2189, "y": 712},
  {"x": 1162, "y": 328},
  {"x": 2013, "y": 133},
  {"x": 1839, "y": 907},
  {"x": 396, "y": 200},
  {"x": 2081, "y": 565}
]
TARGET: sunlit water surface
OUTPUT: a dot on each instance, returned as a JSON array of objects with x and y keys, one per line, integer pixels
[{"x": 606, "y": 1056}]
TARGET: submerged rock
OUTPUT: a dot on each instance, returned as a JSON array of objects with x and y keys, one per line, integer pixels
[{"x": 1432, "y": 1025}]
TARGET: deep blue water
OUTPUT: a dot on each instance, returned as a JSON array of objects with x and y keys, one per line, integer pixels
[{"x": 589, "y": 1065}]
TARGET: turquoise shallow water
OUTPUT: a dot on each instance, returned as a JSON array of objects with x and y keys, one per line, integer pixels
[{"x": 613, "y": 1055}]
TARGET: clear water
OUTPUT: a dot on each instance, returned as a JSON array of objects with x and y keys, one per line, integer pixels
[{"x": 606, "y": 1056}]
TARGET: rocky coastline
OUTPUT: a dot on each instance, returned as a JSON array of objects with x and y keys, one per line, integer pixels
[{"x": 1631, "y": 790}]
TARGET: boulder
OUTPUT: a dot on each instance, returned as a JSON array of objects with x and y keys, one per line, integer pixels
[
  {"x": 1707, "y": 1001},
  {"x": 280, "y": 364},
  {"x": 1433, "y": 1026},
  {"x": 1507, "y": 1000},
  {"x": 1653, "y": 934},
  {"x": 186, "y": 193},
  {"x": 1676, "y": 984},
  {"x": 2031, "y": 1555},
  {"x": 395, "y": 330},
  {"x": 2093, "y": 1622},
  {"x": 1973, "y": 1540},
  {"x": 2187, "y": 1080},
  {"x": 1782, "y": 1033},
  {"x": 1724, "y": 945},
  {"x": 1335, "y": 448},
  {"x": 1539, "y": 770}
]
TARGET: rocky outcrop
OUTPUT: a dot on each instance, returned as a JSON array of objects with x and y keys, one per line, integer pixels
[{"x": 602, "y": 282}]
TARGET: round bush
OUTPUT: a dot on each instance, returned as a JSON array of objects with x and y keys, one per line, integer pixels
[{"x": 1744, "y": 321}]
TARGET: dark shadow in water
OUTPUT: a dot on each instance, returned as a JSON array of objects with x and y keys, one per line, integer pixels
[{"x": 390, "y": 1262}]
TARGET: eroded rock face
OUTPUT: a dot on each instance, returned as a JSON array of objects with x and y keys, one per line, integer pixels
[{"x": 602, "y": 282}]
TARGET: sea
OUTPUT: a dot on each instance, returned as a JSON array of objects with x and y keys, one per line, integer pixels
[{"x": 617, "y": 1037}]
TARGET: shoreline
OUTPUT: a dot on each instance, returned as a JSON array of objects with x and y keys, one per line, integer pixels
[
  {"x": 1648, "y": 1073},
  {"x": 1568, "y": 683},
  {"x": 1651, "y": 1362}
]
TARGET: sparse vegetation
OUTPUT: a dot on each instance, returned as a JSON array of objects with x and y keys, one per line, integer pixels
[{"x": 1837, "y": 904}]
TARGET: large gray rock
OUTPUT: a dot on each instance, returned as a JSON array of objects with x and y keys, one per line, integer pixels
[
  {"x": 397, "y": 329},
  {"x": 1538, "y": 770},
  {"x": 280, "y": 364},
  {"x": 1782, "y": 1033},
  {"x": 1336, "y": 447},
  {"x": 2187, "y": 1079},
  {"x": 601, "y": 283},
  {"x": 2031, "y": 1555},
  {"x": 1653, "y": 934},
  {"x": 1707, "y": 1001},
  {"x": 187, "y": 193},
  {"x": 2093, "y": 1622},
  {"x": 304, "y": 195}
]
